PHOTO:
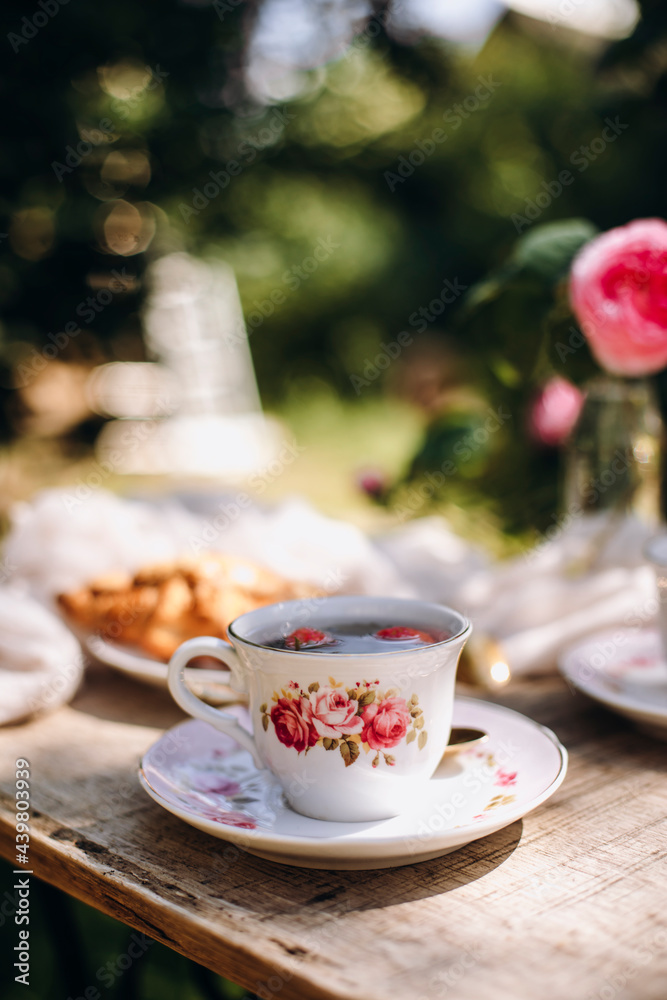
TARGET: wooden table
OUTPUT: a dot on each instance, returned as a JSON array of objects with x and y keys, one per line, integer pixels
[{"x": 570, "y": 903}]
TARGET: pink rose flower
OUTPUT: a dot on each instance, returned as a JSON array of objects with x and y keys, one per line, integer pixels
[
  {"x": 373, "y": 483},
  {"x": 332, "y": 713},
  {"x": 618, "y": 291},
  {"x": 555, "y": 411},
  {"x": 291, "y": 727},
  {"x": 386, "y": 723}
]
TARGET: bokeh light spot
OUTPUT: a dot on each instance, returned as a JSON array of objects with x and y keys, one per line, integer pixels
[
  {"x": 32, "y": 233},
  {"x": 127, "y": 166},
  {"x": 124, "y": 79},
  {"x": 125, "y": 229}
]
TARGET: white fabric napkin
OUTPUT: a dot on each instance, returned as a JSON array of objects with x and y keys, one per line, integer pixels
[
  {"x": 56, "y": 545},
  {"x": 41, "y": 663},
  {"x": 591, "y": 575}
]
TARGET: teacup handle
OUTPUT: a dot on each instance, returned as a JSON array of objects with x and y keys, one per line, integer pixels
[{"x": 189, "y": 702}]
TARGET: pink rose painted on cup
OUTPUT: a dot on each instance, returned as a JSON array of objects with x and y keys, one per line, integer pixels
[
  {"x": 292, "y": 728},
  {"x": 385, "y": 723},
  {"x": 618, "y": 291},
  {"x": 331, "y": 712},
  {"x": 555, "y": 411},
  {"x": 349, "y": 721}
]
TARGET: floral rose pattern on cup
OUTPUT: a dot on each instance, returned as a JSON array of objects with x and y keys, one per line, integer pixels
[
  {"x": 359, "y": 718},
  {"x": 385, "y": 723},
  {"x": 292, "y": 728},
  {"x": 332, "y": 712}
]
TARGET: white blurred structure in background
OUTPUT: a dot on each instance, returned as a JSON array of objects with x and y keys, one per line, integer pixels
[
  {"x": 291, "y": 40},
  {"x": 196, "y": 410}
]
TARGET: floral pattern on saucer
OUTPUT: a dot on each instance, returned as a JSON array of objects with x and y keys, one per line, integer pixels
[
  {"x": 224, "y": 787},
  {"x": 498, "y": 777},
  {"x": 359, "y": 718},
  {"x": 207, "y": 772},
  {"x": 202, "y": 777}
]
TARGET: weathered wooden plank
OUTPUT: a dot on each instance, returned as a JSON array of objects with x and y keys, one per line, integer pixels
[{"x": 568, "y": 904}]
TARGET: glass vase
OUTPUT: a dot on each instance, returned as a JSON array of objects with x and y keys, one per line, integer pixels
[{"x": 612, "y": 461}]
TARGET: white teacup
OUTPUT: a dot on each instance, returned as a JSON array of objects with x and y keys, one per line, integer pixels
[{"x": 386, "y": 717}]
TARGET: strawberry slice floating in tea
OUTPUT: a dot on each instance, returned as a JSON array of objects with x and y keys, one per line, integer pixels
[
  {"x": 305, "y": 638},
  {"x": 403, "y": 632},
  {"x": 357, "y": 637}
]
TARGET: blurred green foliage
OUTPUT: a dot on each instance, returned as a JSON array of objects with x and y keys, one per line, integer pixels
[
  {"x": 74, "y": 948},
  {"x": 414, "y": 163}
]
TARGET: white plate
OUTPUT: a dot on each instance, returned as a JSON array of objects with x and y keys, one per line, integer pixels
[
  {"x": 625, "y": 669},
  {"x": 204, "y": 778},
  {"x": 208, "y": 684}
]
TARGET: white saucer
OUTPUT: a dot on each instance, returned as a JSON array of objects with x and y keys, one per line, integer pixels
[
  {"x": 203, "y": 777},
  {"x": 207, "y": 684},
  {"x": 625, "y": 669}
]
